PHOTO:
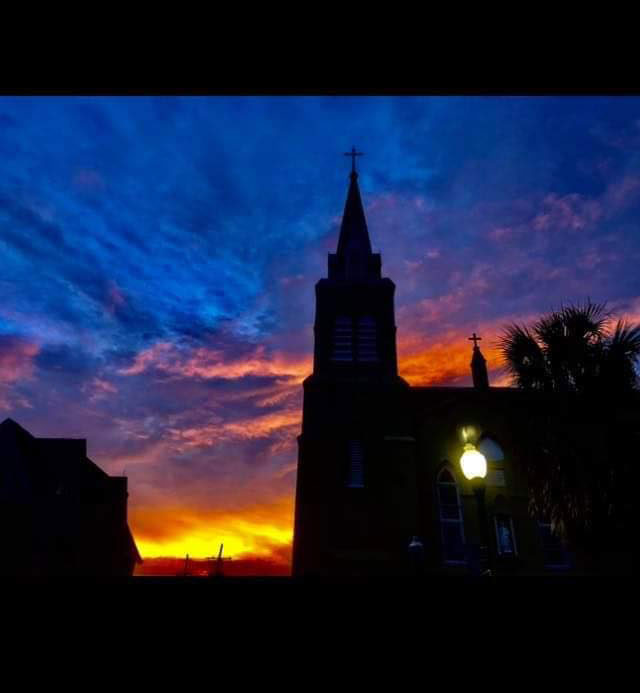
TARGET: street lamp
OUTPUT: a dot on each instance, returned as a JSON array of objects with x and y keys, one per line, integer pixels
[
  {"x": 473, "y": 463},
  {"x": 474, "y": 467}
]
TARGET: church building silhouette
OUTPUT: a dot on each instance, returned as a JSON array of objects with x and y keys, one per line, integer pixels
[{"x": 379, "y": 486}]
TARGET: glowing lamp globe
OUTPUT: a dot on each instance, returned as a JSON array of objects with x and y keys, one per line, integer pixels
[{"x": 473, "y": 463}]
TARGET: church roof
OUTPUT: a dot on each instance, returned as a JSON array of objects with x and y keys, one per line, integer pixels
[{"x": 11, "y": 428}]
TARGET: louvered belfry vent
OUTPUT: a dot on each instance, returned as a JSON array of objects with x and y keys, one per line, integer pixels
[
  {"x": 342, "y": 340},
  {"x": 367, "y": 340},
  {"x": 356, "y": 465}
]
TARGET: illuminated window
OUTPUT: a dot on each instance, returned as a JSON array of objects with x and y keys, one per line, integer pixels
[
  {"x": 451, "y": 522},
  {"x": 505, "y": 537},
  {"x": 342, "y": 340},
  {"x": 355, "y": 476},
  {"x": 367, "y": 340}
]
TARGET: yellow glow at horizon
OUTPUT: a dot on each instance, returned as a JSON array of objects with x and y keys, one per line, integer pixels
[
  {"x": 473, "y": 463},
  {"x": 249, "y": 540}
]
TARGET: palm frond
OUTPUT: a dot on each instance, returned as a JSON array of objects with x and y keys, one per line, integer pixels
[
  {"x": 588, "y": 321},
  {"x": 626, "y": 339},
  {"x": 523, "y": 357},
  {"x": 621, "y": 356}
]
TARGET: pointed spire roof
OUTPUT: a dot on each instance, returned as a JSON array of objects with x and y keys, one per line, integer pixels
[
  {"x": 479, "y": 371},
  {"x": 354, "y": 235}
]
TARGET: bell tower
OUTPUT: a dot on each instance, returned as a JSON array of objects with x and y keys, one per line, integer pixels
[
  {"x": 355, "y": 332},
  {"x": 353, "y": 411}
]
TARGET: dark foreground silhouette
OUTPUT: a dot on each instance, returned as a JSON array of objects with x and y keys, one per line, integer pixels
[{"x": 66, "y": 516}]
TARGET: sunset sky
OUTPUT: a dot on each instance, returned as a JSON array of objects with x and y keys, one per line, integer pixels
[{"x": 159, "y": 257}]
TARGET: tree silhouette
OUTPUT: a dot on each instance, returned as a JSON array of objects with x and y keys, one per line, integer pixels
[
  {"x": 573, "y": 350},
  {"x": 579, "y": 453}
]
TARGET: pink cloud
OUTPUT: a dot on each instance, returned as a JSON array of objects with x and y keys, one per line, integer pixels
[
  {"x": 501, "y": 233},
  {"x": 16, "y": 363},
  {"x": 412, "y": 266},
  {"x": 295, "y": 279},
  {"x": 285, "y": 422},
  {"x": 621, "y": 193},
  {"x": 213, "y": 363},
  {"x": 442, "y": 311},
  {"x": 156, "y": 356},
  {"x": 629, "y": 310},
  {"x": 572, "y": 212},
  {"x": 115, "y": 298},
  {"x": 99, "y": 389}
]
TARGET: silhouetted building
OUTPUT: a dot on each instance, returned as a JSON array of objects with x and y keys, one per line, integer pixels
[
  {"x": 61, "y": 514},
  {"x": 378, "y": 460}
]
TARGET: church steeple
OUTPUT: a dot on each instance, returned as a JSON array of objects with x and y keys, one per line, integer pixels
[
  {"x": 354, "y": 235},
  {"x": 355, "y": 332},
  {"x": 354, "y": 260},
  {"x": 479, "y": 371}
]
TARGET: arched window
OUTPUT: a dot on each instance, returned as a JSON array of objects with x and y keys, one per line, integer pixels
[
  {"x": 495, "y": 458},
  {"x": 491, "y": 450},
  {"x": 451, "y": 521}
]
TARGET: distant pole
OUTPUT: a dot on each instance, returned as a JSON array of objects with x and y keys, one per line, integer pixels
[
  {"x": 186, "y": 563},
  {"x": 219, "y": 562},
  {"x": 215, "y": 569}
]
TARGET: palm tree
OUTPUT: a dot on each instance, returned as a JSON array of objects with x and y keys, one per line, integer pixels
[
  {"x": 574, "y": 349},
  {"x": 579, "y": 457}
]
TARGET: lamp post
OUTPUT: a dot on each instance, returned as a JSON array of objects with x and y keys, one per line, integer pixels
[{"x": 474, "y": 467}]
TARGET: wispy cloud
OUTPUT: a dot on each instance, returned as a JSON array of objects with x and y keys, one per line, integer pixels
[{"x": 159, "y": 257}]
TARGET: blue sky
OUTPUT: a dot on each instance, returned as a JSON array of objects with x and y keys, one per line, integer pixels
[{"x": 159, "y": 257}]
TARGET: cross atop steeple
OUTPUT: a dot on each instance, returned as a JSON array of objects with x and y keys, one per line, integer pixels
[
  {"x": 478, "y": 365},
  {"x": 475, "y": 339},
  {"x": 354, "y": 236},
  {"x": 353, "y": 154}
]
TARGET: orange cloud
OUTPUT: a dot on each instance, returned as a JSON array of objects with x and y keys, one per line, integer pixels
[
  {"x": 212, "y": 363},
  {"x": 240, "y": 429},
  {"x": 447, "y": 361},
  {"x": 254, "y": 531},
  {"x": 445, "y": 358}
]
